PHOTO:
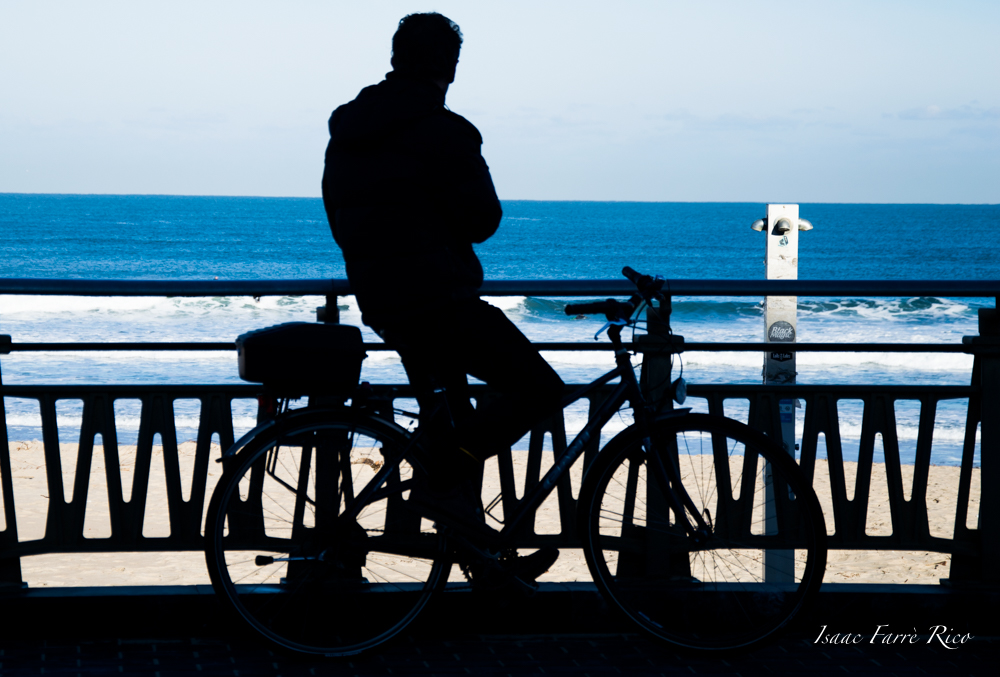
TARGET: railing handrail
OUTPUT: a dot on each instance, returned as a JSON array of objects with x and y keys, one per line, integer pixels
[
  {"x": 339, "y": 287},
  {"x": 7, "y": 347}
]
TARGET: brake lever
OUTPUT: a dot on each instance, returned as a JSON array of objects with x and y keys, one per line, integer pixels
[
  {"x": 608, "y": 325},
  {"x": 637, "y": 303}
]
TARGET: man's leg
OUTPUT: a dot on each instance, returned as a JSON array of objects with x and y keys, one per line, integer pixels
[
  {"x": 475, "y": 337},
  {"x": 493, "y": 349},
  {"x": 442, "y": 391}
]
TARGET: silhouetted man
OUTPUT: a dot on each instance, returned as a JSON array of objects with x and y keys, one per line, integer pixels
[{"x": 407, "y": 194}]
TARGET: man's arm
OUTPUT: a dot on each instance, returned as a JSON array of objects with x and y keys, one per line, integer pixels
[
  {"x": 472, "y": 198},
  {"x": 478, "y": 208},
  {"x": 330, "y": 201}
]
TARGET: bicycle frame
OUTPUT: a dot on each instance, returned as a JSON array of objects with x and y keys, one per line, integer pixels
[{"x": 627, "y": 390}]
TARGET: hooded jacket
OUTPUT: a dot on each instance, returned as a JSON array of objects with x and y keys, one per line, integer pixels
[{"x": 407, "y": 193}]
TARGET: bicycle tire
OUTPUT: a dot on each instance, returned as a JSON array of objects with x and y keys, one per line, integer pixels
[
  {"x": 714, "y": 597},
  {"x": 356, "y": 583}
]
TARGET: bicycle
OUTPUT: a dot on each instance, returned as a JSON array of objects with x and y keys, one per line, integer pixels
[{"x": 702, "y": 531}]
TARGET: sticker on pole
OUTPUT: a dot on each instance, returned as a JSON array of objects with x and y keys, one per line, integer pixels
[
  {"x": 781, "y": 357},
  {"x": 781, "y": 332},
  {"x": 786, "y": 408}
]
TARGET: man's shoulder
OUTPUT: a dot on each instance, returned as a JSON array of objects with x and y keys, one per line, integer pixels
[{"x": 458, "y": 125}]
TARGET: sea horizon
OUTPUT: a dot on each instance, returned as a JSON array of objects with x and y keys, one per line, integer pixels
[{"x": 502, "y": 200}]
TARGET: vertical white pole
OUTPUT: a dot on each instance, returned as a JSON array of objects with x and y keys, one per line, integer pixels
[
  {"x": 780, "y": 317},
  {"x": 782, "y": 263}
]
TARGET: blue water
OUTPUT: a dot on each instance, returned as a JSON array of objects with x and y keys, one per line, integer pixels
[{"x": 174, "y": 237}]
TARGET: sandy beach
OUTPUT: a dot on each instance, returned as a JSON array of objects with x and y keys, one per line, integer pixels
[{"x": 188, "y": 568}]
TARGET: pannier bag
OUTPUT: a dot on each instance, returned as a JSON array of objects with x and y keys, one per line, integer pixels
[{"x": 302, "y": 358}]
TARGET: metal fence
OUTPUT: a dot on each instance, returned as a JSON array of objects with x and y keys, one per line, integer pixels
[{"x": 974, "y": 543}]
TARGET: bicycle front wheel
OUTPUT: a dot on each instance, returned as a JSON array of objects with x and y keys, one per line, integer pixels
[
  {"x": 735, "y": 589},
  {"x": 296, "y": 554}
]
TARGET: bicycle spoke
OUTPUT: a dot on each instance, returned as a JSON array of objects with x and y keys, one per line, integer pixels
[
  {"x": 295, "y": 488},
  {"x": 642, "y": 558}
]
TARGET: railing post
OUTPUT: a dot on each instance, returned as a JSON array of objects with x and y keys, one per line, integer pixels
[
  {"x": 330, "y": 313},
  {"x": 10, "y": 567},
  {"x": 328, "y": 480},
  {"x": 666, "y": 556},
  {"x": 658, "y": 347},
  {"x": 989, "y": 436}
]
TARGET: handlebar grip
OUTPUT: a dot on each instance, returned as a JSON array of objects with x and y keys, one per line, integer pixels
[
  {"x": 586, "y": 308},
  {"x": 610, "y": 308},
  {"x": 632, "y": 276},
  {"x": 648, "y": 286}
]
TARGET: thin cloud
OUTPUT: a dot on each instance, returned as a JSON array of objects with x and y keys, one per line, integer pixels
[
  {"x": 729, "y": 122},
  {"x": 967, "y": 112}
]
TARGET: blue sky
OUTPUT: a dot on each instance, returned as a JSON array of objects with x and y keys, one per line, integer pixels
[{"x": 658, "y": 101}]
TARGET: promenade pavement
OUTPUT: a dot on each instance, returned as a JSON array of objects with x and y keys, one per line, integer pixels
[
  {"x": 484, "y": 654},
  {"x": 562, "y": 630}
]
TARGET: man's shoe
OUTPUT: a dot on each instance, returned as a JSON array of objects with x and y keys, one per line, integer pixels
[
  {"x": 528, "y": 568},
  {"x": 510, "y": 572}
]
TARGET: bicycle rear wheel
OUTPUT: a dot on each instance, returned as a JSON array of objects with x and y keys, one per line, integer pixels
[
  {"x": 283, "y": 550},
  {"x": 743, "y": 585}
]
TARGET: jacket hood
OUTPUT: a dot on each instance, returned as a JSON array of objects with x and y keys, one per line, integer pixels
[{"x": 381, "y": 109}]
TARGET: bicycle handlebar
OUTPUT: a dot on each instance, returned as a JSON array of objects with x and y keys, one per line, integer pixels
[
  {"x": 648, "y": 286},
  {"x": 632, "y": 275}
]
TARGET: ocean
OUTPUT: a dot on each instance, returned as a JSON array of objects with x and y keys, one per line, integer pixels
[{"x": 176, "y": 237}]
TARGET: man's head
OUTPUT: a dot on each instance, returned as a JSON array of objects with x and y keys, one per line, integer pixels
[{"x": 426, "y": 45}]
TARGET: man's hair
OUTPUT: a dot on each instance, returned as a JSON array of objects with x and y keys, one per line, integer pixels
[{"x": 426, "y": 45}]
